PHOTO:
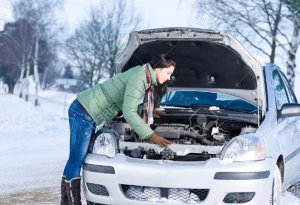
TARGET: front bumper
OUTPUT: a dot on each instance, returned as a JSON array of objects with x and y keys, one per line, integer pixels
[{"x": 213, "y": 178}]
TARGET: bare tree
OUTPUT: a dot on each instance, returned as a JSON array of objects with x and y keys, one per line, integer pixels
[
  {"x": 95, "y": 46},
  {"x": 40, "y": 15},
  {"x": 294, "y": 8},
  {"x": 86, "y": 48},
  {"x": 256, "y": 22},
  {"x": 118, "y": 23},
  {"x": 293, "y": 46},
  {"x": 16, "y": 49}
]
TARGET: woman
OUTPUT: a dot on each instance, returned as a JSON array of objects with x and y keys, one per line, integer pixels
[{"x": 101, "y": 103}]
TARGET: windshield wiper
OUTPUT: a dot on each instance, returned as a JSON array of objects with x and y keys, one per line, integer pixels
[
  {"x": 174, "y": 106},
  {"x": 217, "y": 108},
  {"x": 209, "y": 107},
  {"x": 239, "y": 110},
  {"x": 195, "y": 105}
]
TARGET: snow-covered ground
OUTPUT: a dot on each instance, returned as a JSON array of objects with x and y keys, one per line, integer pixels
[
  {"x": 33, "y": 143},
  {"x": 33, "y": 149}
]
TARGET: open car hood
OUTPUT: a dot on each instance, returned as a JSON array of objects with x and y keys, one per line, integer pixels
[{"x": 205, "y": 59}]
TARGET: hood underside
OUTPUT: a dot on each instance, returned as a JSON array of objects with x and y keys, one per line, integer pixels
[
  {"x": 200, "y": 64},
  {"x": 204, "y": 59}
]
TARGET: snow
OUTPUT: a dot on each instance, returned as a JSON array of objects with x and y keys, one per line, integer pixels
[{"x": 34, "y": 143}]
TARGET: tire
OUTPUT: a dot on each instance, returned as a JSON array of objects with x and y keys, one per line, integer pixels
[
  {"x": 92, "y": 203},
  {"x": 89, "y": 203},
  {"x": 276, "y": 187}
]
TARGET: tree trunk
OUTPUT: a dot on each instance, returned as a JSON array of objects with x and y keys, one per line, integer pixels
[
  {"x": 11, "y": 88},
  {"x": 274, "y": 33},
  {"x": 26, "y": 82},
  {"x": 35, "y": 70},
  {"x": 22, "y": 77},
  {"x": 291, "y": 62},
  {"x": 44, "y": 78}
]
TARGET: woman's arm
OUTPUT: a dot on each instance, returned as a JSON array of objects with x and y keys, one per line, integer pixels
[{"x": 134, "y": 91}]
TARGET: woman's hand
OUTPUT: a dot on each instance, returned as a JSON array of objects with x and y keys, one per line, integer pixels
[
  {"x": 157, "y": 113},
  {"x": 162, "y": 142}
]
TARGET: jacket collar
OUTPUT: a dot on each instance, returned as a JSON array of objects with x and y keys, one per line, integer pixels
[{"x": 152, "y": 75}]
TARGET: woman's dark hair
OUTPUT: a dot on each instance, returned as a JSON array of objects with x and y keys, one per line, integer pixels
[
  {"x": 160, "y": 90},
  {"x": 161, "y": 61}
]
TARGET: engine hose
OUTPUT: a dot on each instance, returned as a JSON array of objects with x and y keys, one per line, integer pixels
[
  {"x": 205, "y": 141},
  {"x": 199, "y": 138}
]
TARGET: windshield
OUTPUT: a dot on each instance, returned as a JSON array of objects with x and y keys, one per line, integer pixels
[{"x": 207, "y": 99}]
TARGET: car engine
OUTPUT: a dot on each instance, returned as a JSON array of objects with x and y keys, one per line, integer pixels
[{"x": 190, "y": 141}]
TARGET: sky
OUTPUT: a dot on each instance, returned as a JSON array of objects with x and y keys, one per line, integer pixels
[
  {"x": 5, "y": 12},
  {"x": 155, "y": 13}
]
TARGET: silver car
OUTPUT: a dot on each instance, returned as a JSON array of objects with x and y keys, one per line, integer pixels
[{"x": 234, "y": 124}]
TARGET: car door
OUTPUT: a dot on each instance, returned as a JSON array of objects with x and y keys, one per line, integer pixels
[
  {"x": 285, "y": 131},
  {"x": 294, "y": 123}
]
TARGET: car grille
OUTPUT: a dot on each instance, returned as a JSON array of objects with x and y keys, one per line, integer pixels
[
  {"x": 97, "y": 189},
  {"x": 239, "y": 197},
  {"x": 295, "y": 189},
  {"x": 143, "y": 193}
]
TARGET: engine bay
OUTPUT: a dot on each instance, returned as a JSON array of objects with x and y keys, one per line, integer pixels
[{"x": 191, "y": 140}]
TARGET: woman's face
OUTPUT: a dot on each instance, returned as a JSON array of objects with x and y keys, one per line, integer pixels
[{"x": 163, "y": 74}]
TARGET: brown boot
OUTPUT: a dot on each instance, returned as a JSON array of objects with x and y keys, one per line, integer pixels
[
  {"x": 63, "y": 191},
  {"x": 73, "y": 191}
]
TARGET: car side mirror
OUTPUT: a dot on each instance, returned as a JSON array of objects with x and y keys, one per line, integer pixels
[{"x": 289, "y": 110}]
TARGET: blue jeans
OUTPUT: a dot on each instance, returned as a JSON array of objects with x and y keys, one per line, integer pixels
[{"x": 81, "y": 129}]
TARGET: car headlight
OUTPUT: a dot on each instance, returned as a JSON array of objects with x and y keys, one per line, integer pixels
[
  {"x": 106, "y": 144},
  {"x": 244, "y": 148}
]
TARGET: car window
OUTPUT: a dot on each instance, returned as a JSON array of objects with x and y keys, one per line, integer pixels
[
  {"x": 279, "y": 90},
  {"x": 200, "y": 98},
  {"x": 290, "y": 91}
]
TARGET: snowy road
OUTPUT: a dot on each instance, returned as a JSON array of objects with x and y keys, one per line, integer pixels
[{"x": 34, "y": 147}]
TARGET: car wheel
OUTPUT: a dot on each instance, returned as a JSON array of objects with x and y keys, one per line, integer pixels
[
  {"x": 92, "y": 203},
  {"x": 277, "y": 187}
]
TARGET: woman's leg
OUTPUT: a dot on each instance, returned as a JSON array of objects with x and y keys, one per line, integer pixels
[
  {"x": 81, "y": 130},
  {"x": 72, "y": 115}
]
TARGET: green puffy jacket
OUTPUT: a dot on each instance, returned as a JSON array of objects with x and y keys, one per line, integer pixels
[{"x": 123, "y": 92}]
